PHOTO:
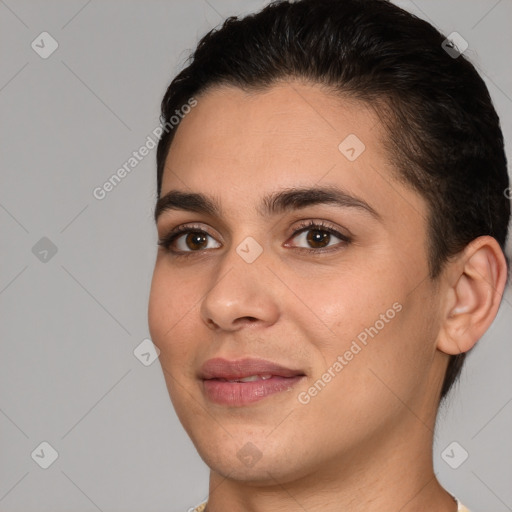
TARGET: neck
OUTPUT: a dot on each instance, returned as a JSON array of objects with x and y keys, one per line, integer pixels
[{"x": 391, "y": 472}]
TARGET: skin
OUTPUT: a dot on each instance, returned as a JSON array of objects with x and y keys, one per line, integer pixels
[{"x": 364, "y": 442}]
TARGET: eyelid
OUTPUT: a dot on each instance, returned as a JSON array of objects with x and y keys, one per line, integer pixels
[
  {"x": 319, "y": 225},
  {"x": 185, "y": 227},
  {"x": 171, "y": 236}
]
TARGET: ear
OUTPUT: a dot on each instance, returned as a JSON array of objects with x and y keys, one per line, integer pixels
[{"x": 476, "y": 282}]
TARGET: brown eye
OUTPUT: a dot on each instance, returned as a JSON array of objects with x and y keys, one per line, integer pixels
[
  {"x": 196, "y": 240},
  {"x": 185, "y": 240},
  {"x": 316, "y": 236}
]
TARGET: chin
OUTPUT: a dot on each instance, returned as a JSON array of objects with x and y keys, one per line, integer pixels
[
  {"x": 248, "y": 458},
  {"x": 264, "y": 472}
]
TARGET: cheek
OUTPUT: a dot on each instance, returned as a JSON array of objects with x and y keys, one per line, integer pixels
[
  {"x": 394, "y": 341},
  {"x": 373, "y": 320},
  {"x": 352, "y": 301},
  {"x": 170, "y": 313},
  {"x": 159, "y": 307},
  {"x": 169, "y": 309}
]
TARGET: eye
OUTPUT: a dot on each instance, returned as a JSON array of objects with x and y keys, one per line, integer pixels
[
  {"x": 318, "y": 235},
  {"x": 196, "y": 239},
  {"x": 186, "y": 240}
]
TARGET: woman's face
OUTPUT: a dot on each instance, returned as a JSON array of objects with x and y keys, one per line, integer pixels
[{"x": 345, "y": 310}]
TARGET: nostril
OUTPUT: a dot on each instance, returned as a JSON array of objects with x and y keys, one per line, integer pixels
[{"x": 247, "y": 319}]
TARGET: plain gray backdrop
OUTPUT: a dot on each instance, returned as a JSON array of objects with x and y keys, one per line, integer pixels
[{"x": 75, "y": 271}]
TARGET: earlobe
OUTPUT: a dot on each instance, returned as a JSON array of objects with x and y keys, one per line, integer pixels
[{"x": 479, "y": 276}]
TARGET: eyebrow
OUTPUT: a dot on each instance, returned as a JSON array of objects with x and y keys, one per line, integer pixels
[{"x": 272, "y": 204}]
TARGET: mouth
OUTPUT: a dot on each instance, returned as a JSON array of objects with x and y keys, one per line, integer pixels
[{"x": 244, "y": 381}]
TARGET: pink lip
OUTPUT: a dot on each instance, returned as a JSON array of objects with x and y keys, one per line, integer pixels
[{"x": 217, "y": 372}]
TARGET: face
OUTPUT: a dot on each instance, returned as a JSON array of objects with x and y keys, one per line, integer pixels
[{"x": 328, "y": 300}]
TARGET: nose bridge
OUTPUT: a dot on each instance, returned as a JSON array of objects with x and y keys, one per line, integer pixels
[
  {"x": 239, "y": 290},
  {"x": 245, "y": 258}
]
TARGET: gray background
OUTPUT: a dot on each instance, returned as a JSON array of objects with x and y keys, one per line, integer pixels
[{"x": 69, "y": 325}]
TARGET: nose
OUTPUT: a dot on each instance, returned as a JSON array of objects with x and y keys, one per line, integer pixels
[{"x": 242, "y": 294}]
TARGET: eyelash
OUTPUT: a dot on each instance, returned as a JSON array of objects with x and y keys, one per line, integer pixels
[{"x": 167, "y": 240}]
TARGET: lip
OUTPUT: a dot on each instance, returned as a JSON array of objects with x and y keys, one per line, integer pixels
[
  {"x": 219, "y": 368},
  {"x": 216, "y": 374}
]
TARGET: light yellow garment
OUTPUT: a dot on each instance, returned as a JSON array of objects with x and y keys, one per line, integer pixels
[{"x": 461, "y": 508}]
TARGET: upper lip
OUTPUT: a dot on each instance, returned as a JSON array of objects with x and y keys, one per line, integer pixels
[{"x": 219, "y": 368}]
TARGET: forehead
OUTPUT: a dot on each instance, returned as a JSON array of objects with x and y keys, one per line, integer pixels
[
  {"x": 237, "y": 145},
  {"x": 288, "y": 119}
]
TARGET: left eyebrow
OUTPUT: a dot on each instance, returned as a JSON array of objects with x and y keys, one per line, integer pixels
[{"x": 272, "y": 204}]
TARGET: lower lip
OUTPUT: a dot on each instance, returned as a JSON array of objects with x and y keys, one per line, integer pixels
[{"x": 243, "y": 393}]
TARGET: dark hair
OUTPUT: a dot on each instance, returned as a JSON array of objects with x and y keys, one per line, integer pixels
[{"x": 443, "y": 133}]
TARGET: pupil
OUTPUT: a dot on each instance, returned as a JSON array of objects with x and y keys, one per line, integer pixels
[
  {"x": 196, "y": 238},
  {"x": 317, "y": 236}
]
